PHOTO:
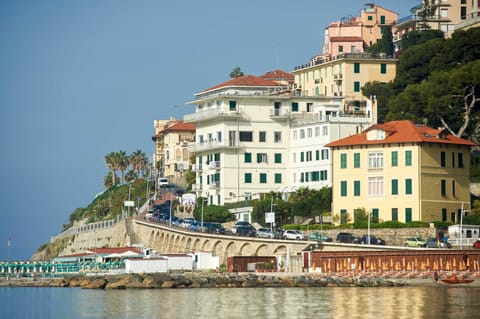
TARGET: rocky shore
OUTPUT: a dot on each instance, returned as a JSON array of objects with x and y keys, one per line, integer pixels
[{"x": 206, "y": 280}]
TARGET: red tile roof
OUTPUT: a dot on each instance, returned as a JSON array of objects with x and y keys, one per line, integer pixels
[
  {"x": 278, "y": 75},
  {"x": 245, "y": 80},
  {"x": 181, "y": 126},
  {"x": 402, "y": 132}
]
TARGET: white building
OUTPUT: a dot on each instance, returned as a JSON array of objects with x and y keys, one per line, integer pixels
[{"x": 248, "y": 137}]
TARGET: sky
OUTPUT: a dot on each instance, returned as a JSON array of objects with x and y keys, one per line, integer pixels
[{"x": 81, "y": 79}]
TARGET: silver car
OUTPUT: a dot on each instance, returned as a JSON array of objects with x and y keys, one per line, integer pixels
[{"x": 265, "y": 233}]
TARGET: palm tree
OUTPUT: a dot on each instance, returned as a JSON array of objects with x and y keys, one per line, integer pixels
[
  {"x": 138, "y": 161},
  {"x": 236, "y": 72},
  {"x": 111, "y": 164},
  {"x": 121, "y": 159}
]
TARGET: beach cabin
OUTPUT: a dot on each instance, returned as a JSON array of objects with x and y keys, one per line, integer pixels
[{"x": 463, "y": 235}]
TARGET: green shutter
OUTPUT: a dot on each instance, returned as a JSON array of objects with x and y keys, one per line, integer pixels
[
  {"x": 394, "y": 186},
  {"x": 408, "y": 186},
  {"x": 356, "y": 188},
  {"x": 248, "y": 178},
  {"x": 408, "y": 158},
  {"x": 356, "y": 86},
  {"x": 263, "y": 178},
  {"x": 294, "y": 106},
  {"x": 356, "y": 68},
  {"x": 394, "y": 158},
  {"x": 278, "y": 178},
  {"x": 343, "y": 188},
  {"x": 408, "y": 215},
  {"x": 343, "y": 216},
  {"x": 248, "y": 157},
  {"x": 278, "y": 157},
  {"x": 343, "y": 160},
  {"x": 443, "y": 187},
  {"x": 356, "y": 160},
  {"x": 383, "y": 68}
]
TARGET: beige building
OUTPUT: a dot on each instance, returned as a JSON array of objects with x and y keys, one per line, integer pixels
[
  {"x": 171, "y": 155},
  {"x": 401, "y": 171},
  {"x": 344, "y": 76},
  {"x": 444, "y": 15}
]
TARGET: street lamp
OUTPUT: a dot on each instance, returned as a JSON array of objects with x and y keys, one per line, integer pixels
[{"x": 201, "y": 221}]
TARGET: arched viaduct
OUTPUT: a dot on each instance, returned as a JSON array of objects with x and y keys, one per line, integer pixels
[{"x": 166, "y": 239}]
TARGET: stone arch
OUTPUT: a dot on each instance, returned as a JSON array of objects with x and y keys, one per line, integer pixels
[
  {"x": 246, "y": 249},
  {"x": 262, "y": 250},
  {"x": 230, "y": 250},
  {"x": 205, "y": 245},
  {"x": 151, "y": 238},
  {"x": 216, "y": 249},
  {"x": 279, "y": 250},
  {"x": 188, "y": 244},
  {"x": 196, "y": 244}
]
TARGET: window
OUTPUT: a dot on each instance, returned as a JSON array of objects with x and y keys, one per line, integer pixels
[
  {"x": 302, "y": 157},
  {"x": 247, "y": 157},
  {"x": 356, "y": 160},
  {"x": 460, "y": 160},
  {"x": 317, "y": 131},
  {"x": 216, "y": 157},
  {"x": 325, "y": 154},
  {"x": 262, "y": 136},
  {"x": 302, "y": 133},
  {"x": 277, "y": 137},
  {"x": 383, "y": 68},
  {"x": 356, "y": 68},
  {"x": 317, "y": 155},
  {"x": 261, "y": 157},
  {"x": 278, "y": 158},
  {"x": 375, "y": 186},
  {"x": 444, "y": 214},
  {"x": 370, "y": 18},
  {"x": 294, "y": 106},
  {"x": 408, "y": 158},
  {"x": 395, "y": 214},
  {"x": 453, "y": 159},
  {"x": 263, "y": 178},
  {"x": 408, "y": 215},
  {"x": 443, "y": 187},
  {"x": 248, "y": 178},
  {"x": 382, "y": 19},
  {"x": 356, "y": 188},
  {"x": 453, "y": 188},
  {"x": 309, "y": 156},
  {"x": 343, "y": 188},
  {"x": 394, "y": 186},
  {"x": 325, "y": 130},
  {"x": 340, "y": 48},
  {"x": 356, "y": 86},
  {"x": 375, "y": 215},
  {"x": 232, "y": 105},
  {"x": 278, "y": 178},
  {"x": 375, "y": 160},
  {"x": 343, "y": 216},
  {"x": 323, "y": 175},
  {"x": 219, "y": 137},
  {"x": 309, "y": 132},
  {"x": 442, "y": 159},
  {"x": 343, "y": 160},
  {"x": 246, "y": 136},
  {"x": 394, "y": 158},
  {"x": 408, "y": 186}
]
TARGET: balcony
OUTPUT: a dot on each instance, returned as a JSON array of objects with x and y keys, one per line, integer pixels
[
  {"x": 214, "y": 165},
  {"x": 280, "y": 114},
  {"x": 212, "y": 145},
  {"x": 214, "y": 185},
  {"x": 197, "y": 168},
  {"x": 211, "y": 114},
  {"x": 338, "y": 77},
  {"x": 197, "y": 187}
]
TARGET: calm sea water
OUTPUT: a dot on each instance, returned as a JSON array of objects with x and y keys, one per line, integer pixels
[{"x": 396, "y": 302}]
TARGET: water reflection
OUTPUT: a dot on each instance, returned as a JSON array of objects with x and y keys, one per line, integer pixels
[{"x": 385, "y": 303}]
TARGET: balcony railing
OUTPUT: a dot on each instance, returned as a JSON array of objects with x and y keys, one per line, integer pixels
[
  {"x": 282, "y": 113},
  {"x": 212, "y": 145},
  {"x": 204, "y": 115},
  {"x": 214, "y": 185}
]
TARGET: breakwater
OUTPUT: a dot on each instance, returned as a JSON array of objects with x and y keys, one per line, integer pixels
[{"x": 204, "y": 280}]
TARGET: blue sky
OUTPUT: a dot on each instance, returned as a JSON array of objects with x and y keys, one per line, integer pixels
[{"x": 79, "y": 79}]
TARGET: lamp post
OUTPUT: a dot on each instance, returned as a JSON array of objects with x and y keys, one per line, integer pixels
[
  {"x": 368, "y": 232},
  {"x": 201, "y": 218}
]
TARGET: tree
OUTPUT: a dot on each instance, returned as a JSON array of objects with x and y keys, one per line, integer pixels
[
  {"x": 382, "y": 93},
  {"x": 236, "y": 72},
  {"x": 138, "y": 162},
  {"x": 384, "y": 44},
  {"x": 110, "y": 160}
]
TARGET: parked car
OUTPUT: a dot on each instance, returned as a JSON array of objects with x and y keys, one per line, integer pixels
[
  {"x": 245, "y": 230},
  {"x": 415, "y": 242},
  {"x": 240, "y": 223},
  {"x": 374, "y": 240},
  {"x": 162, "y": 182},
  {"x": 347, "y": 238},
  {"x": 265, "y": 233},
  {"x": 318, "y": 236},
  {"x": 213, "y": 228},
  {"x": 293, "y": 234},
  {"x": 476, "y": 244},
  {"x": 435, "y": 243}
]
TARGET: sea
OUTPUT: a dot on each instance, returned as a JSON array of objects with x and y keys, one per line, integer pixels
[{"x": 326, "y": 302}]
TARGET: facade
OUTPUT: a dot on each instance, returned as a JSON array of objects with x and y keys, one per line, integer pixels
[
  {"x": 344, "y": 76},
  {"x": 171, "y": 147},
  {"x": 244, "y": 145},
  {"x": 354, "y": 34},
  {"x": 402, "y": 172}
]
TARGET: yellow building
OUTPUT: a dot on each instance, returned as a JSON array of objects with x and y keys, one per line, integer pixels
[
  {"x": 171, "y": 156},
  {"x": 344, "y": 76},
  {"x": 402, "y": 172}
]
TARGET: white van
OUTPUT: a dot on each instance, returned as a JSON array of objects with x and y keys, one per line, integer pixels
[{"x": 163, "y": 182}]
